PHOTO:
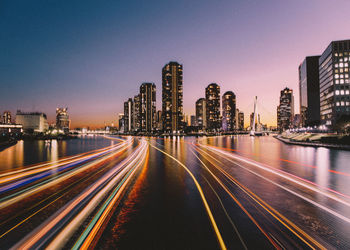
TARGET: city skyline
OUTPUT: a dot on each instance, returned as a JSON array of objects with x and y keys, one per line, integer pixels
[{"x": 242, "y": 50}]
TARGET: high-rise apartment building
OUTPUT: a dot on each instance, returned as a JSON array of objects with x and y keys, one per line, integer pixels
[
  {"x": 201, "y": 113},
  {"x": 159, "y": 120},
  {"x": 309, "y": 89},
  {"x": 241, "y": 121},
  {"x": 62, "y": 119},
  {"x": 172, "y": 98},
  {"x": 6, "y": 117},
  {"x": 285, "y": 111},
  {"x": 334, "y": 83},
  {"x": 137, "y": 113},
  {"x": 148, "y": 107},
  {"x": 121, "y": 122},
  {"x": 229, "y": 111},
  {"x": 128, "y": 116},
  {"x": 212, "y": 97}
]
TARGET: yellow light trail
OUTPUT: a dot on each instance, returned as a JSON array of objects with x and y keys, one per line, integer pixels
[{"x": 206, "y": 205}]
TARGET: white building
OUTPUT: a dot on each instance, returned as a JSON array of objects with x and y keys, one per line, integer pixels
[{"x": 32, "y": 121}]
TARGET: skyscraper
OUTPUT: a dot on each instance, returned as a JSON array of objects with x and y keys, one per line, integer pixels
[
  {"x": 212, "y": 96},
  {"x": 148, "y": 107},
  {"x": 285, "y": 109},
  {"x": 137, "y": 113},
  {"x": 309, "y": 89},
  {"x": 128, "y": 116},
  {"x": 229, "y": 111},
  {"x": 121, "y": 122},
  {"x": 62, "y": 119},
  {"x": 334, "y": 83},
  {"x": 201, "y": 113},
  {"x": 172, "y": 98}
]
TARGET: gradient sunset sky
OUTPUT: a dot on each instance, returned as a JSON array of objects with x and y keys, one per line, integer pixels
[{"x": 90, "y": 56}]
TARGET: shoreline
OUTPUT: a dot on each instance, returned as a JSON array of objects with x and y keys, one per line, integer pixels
[{"x": 313, "y": 144}]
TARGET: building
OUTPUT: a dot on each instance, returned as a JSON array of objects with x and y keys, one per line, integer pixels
[
  {"x": 148, "y": 107},
  {"x": 309, "y": 89},
  {"x": 159, "y": 120},
  {"x": 241, "y": 121},
  {"x": 62, "y": 119},
  {"x": 121, "y": 122},
  {"x": 201, "y": 113},
  {"x": 32, "y": 121},
  {"x": 172, "y": 98},
  {"x": 285, "y": 111},
  {"x": 212, "y": 97},
  {"x": 128, "y": 116},
  {"x": 6, "y": 117},
  {"x": 335, "y": 84},
  {"x": 193, "y": 121},
  {"x": 229, "y": 111},
  {"x": 137, "y": 113}
]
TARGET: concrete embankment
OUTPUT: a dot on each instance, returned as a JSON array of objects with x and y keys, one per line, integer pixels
[{"x": 312, "y": 143}]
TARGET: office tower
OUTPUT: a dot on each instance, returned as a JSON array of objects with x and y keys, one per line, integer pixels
[
  {"x": 212, "y": 97},
  {"x": 236, "y": 119},
  {"x": 241, "y": 121},
  {"x": 137, "y": 113},
  {"x": 309, "y": 89},
  {"x": 148, "y": 107},
  {"x": 121, "y": 122},
  {"x": 286, "y": 109},
  {"x": 172, "y": 98},
  {"x": 334, "y": 83},
  {"x": 6, "y": 117},
  {"x": 62, "y": 119},
  {"x": 201, "y": 113},
  {"x": 128, "y": 116},
  {"x": 229, "y": 111},
  {"x": 32, "y": 121}
]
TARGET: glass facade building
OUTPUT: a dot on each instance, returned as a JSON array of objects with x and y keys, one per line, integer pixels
[
  {"x": 285, "y": 111},
  {"x": 334, "y": 83},
  {"x": 309, "y": 89},
  {"x": 201, "y": 113},
  {"x": 148, "y": 107}
]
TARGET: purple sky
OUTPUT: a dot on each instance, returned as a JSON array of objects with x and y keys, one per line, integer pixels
[{"x": 92, "y": 57}]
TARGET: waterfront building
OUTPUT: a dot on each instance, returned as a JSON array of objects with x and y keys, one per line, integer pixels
[
  {"x": 137, "y": 113},
  {"x": 121, "y": 122},
  {"x": 148, "y": 107},
  {"x": 240, "y": 121},
  {"x": 62, "y": 119},
  {"x": 159, "y": 120},
  {"x": 172, "y": 98},
  {"x": 309, "y": 89},
  {"x": 334, "y": 78},
  {"x": 6, "y": 117},
  {"x": 32, "y": 121},
  {"x": 201, "y": 113},
  {"x": 193, "y": 121},
  {"x": 128, "y": 116},
  {"x": 285, "y": 110},
  {"x": 212, "y": 97},
  {"x": 229, "y": 111}
]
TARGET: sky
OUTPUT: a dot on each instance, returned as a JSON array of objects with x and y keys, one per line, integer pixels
[{"x": 91, "y": 56}]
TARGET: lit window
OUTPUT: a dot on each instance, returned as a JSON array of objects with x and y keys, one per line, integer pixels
[
  {"x": 341, "y": 76},
  {"x": 336, "y": 54},
  {"x": 347, "y": 81},
  {"x": 346, "y": 75},
  {"x": 346, "y": 92},
  {"x": 346, "y": 64},
  {"x": 337, "y": 92},
  {"x": 342, "y": 103},
  {"x": 336, "y": 81},
  {"x": 338, "y": 104},
  {"x": 341, "y": 64},
  {"x": 336, "y": 65},
  {"x": 347, "y": 103},
  {"x": 341, "y": 81},
  {"x": 342, "y": 92},
  {"x": 336, "y": 76},
  {"x": 346, "y": 59}
]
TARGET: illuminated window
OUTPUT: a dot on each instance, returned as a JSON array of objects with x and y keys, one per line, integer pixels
[
  {"x": 346, "y": 64},
  {"x": 341, "y": 81},
  {"x": 336, "y": 65},
  {"x": 342, "y": 103},
  {"x": 336, "y": 76},
  {"x": 337, "y": 92},
  {"x": 342, "y": 92},
  {"x": 341, "y": 64},
  {"x": 346, "y": 75},
  {"x": 346, "y": 92},
  {"x": 336, "y": 81},
  {"x": 338, "y": 104}
]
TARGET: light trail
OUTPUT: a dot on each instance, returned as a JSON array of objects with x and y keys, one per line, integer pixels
[
  {"x": 11, "y": 199},
  {"x": 228, "y": 156},
  {"x": 211, "y": 217},
  {"x": 95, "y": 193},
  {"x": 282, "y": 219}
]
